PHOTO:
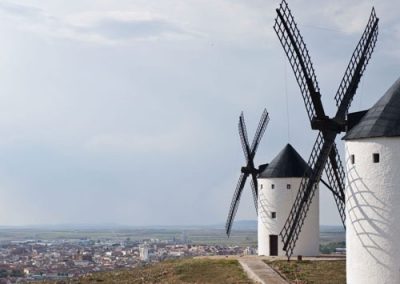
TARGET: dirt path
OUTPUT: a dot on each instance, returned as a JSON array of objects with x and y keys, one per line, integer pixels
[{"x": 260, "y": 272}]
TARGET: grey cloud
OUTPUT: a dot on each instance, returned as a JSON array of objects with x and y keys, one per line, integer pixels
[
  {"x": 20, "y": 10},
  {"x": 105, "y": 27}
]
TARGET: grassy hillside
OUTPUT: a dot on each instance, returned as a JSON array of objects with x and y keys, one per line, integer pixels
[
  {"x": 179, "y": 271},
  {"x": 316, "y": 272}
]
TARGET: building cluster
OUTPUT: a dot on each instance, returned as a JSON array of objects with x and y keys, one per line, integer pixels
[{"x": 60, "y": 259}]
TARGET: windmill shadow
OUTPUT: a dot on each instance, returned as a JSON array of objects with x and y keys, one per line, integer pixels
[
  {"x": 264, "y": 210},
  {"x": 266, "y": 206},
  {"x": 361, "y": 203}
]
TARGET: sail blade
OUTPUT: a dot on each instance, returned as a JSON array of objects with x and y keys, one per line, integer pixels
[{"x": 235, "y": 203}]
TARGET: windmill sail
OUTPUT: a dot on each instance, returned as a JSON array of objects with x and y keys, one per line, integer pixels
[
  {"x": 249, "y": 169},
  {"x": 324, "y": 154}
]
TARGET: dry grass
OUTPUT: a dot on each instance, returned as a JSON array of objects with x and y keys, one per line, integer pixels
[
  {"x": 180, "y": 271},
  {"x": 307, "y": 272}
]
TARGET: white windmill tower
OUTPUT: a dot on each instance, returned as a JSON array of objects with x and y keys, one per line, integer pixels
[
  {"x": 279, "y": 182},
  {"x": 373, "y": 193}
]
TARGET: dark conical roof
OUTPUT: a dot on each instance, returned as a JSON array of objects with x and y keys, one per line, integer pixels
[
  {"x": 382, "y": 120},
  {"x": 288, "y": 163}
]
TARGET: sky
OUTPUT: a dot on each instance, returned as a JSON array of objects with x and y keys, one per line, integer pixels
[{"x": 126, "y": 112}]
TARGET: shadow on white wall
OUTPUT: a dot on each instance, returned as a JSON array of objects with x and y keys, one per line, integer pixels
[{"x": 367, "y": 215}]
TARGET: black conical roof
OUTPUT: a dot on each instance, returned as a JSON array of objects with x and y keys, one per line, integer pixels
[
  {"x": 288, "y": 163},
  {"x": 382, "y": 120}
]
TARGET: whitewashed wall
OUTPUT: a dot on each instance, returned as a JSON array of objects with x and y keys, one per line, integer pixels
[
  {"x": 373, "y": 211},
  {"x": 280, "y": 200}
]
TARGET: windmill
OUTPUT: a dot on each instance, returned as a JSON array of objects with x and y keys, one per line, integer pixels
[
  {"x": 249, "y": 169},
  {"x": 372, "y": 146},
  {"x": 324, "y": 155},
  {"x": 278, "y": 183}
]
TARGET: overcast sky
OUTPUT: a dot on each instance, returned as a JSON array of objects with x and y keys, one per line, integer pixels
[{"x": 126, "y": 111}]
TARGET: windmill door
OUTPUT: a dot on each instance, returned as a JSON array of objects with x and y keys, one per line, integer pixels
[{"x": 273, "y": 245}]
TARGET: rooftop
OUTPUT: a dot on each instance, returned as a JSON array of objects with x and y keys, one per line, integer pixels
[
  {"x": 288, "y": 163},
  {"x": 382, "y": 120}
]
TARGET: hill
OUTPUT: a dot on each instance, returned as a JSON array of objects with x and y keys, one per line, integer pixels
[{"x": 172, "y": 271}]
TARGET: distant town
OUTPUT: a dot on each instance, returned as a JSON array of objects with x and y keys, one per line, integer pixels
[{"x": 58, "y": 257}]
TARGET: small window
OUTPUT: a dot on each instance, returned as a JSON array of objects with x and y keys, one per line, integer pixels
[
  {"x": 273, "y": 215},
  {"x": 261, "y": 186},
  {"x": 375, "y": 157},
  {"x": 352, "y": 159},
  {"x": 272, "y": 186},
  {"x": 288, "y": 186}
]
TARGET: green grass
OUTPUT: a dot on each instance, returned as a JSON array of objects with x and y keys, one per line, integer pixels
[
  {"x": 307, "y": 272},
  {"x": 177, "y": 271}
]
